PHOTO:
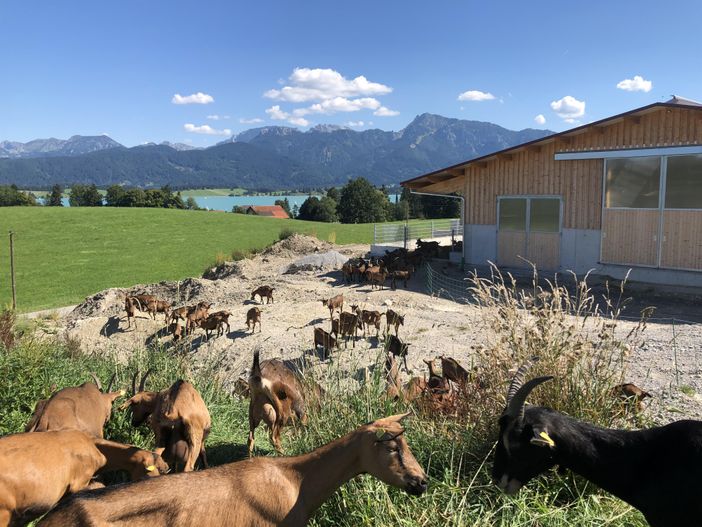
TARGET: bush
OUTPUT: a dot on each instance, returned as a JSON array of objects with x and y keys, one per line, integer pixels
[{"x": 285, "y": 233}]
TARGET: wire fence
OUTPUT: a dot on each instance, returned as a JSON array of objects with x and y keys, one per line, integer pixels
[{"x": 406, "y": 234}]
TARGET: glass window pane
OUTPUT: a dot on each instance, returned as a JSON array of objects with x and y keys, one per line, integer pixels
[
  {"x": 633, "y": 183},
  {"x": 545, "y": 215},
  {"x": 513, "y": 214},
  {"x": 683, "y": 187}
]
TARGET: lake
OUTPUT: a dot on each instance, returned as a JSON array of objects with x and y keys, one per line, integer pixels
[{"x": 228, "y": 202}]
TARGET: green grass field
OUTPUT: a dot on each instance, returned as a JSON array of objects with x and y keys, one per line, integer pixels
[{"x": 63, "y": 255}]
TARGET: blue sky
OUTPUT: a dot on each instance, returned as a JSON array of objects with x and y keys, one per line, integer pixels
[{"x": 92, "y": 67}]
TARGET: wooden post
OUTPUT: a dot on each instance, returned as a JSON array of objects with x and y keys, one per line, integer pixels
[{"x": 12, "y": 270}]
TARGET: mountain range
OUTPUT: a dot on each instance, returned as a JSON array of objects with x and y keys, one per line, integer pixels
[{"x": 266, "y": 158}]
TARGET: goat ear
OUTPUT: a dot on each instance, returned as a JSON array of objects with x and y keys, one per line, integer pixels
[
  {"x": 393, "y": 418},
  {"x": 541, "y": 438},
  {"x": 126, "y": 404}
]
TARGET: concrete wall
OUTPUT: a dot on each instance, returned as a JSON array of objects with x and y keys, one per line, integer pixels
[
  {"x": 480, "y": 243},
  {"x": 580, "y": 250}
]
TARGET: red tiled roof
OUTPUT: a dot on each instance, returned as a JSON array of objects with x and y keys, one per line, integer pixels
[{"x": 274, "y": 211}]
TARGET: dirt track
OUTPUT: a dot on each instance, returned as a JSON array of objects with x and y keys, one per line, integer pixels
[{"x": 433, "y": 327}]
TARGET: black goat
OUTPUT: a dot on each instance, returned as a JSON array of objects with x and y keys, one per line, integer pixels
[{"x": 655, "y": 470}]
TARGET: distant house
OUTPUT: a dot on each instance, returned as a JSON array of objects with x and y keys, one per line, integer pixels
[
  {"x": 273, "y": 211},
  {"x": 621, "y": 193}
]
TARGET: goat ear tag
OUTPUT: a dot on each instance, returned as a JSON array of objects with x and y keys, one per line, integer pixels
[
  {"x": 543, "y": 440},
  {"x": 122, "y": 393},
  {"x": 150, "y": 468},
  {"x": 380, "y": 433}
]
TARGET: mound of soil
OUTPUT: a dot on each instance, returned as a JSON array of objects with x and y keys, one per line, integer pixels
[
  {"x": 225, "y": 270},
  {"x": 297, "y": 244},
  {"x": 329, "y": 261}
]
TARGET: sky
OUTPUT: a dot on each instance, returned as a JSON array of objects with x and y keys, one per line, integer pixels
[{"x": 197, "y": 72}]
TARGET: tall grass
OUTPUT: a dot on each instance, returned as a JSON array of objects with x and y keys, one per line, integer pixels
[{"x": 584, "y": 351}]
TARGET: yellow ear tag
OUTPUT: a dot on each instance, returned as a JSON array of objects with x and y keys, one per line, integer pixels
[
  {"x": 150, "y": 468},
  {"x": 122, "y": 393},
  {"x": 380, "y": 433},
  {"x": 547, "y": 438}
]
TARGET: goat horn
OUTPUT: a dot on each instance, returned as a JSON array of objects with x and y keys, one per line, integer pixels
[
  {"x": 518, "y": 378},
  {"x": 142, "y": 384},
  {"x": 134, "y": 378},
  {"x": 97, "y": 381},
  {"x": 112, "y": 381},
  {"x": 515, "y": 407}
]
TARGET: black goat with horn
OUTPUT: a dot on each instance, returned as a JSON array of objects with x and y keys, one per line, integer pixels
[{"x": 657, "y": 470}]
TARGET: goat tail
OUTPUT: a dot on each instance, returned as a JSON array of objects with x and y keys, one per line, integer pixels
[{"x": 255, "y": 377}]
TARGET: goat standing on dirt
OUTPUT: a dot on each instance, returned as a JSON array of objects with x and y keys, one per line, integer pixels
[
  {"x": 324, "y": 339},
  {"x": 262, "y": 492},
  {"x": 159, "y": 306},
  {"x": 86, "y": 408},
  {"x": 253, "y": 317},
  {"x": 38, "y": 469},
  {"x": 655, "y": 470},
  {"x": 216, "y": 321},
  {"x": 196, "y": 315},
  {"x": 369, "y": 318},
  {"x": 397, "y": 348},
  {"x": 263, "y": 292},
  {"x": 276, "y": 399},
  {"x": 377, "y": 278},
  {"x": 400, "y": 275},
  {"x": 347, "y": 326},
  {"x": 178, "y": 417},
  {"x": 393, "y": 319},
  {"x": 334, "y": 303},
  {"x": 453, "y": 371}
]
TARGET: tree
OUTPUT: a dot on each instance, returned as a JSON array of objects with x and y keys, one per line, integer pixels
[
  {"x": 315, "y": 209},
  {"x": 361, "y": 202},
  {"x": 334, "y": 194},
  {"x": 85, "y": 196},
  {"x": 114, "y": 196},
  {"x": 11, "y": 196},
  {"x": 295, "y": 211},
  {"x": 191, "y": 204},
  {"x": 285, "y": 204},
  {"x": 54, "y": 199}
]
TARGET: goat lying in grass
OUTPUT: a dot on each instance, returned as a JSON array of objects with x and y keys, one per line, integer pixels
[
  {"x": 138, "y": 463},
  {"x": 178, "y": 417},
  {"x": 262, "y": 492},
  {"x": 86, "y": 408},
  {"x": 38, "y": 469},
  {"x": 276, "y": 399},
  {"x": 655, "y": 470}
]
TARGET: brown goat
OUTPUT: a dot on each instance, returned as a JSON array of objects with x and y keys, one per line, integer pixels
[
  {"x": 347, "y": 272},
  {"x": 347, "y": 326},
  {"x": 262, "y": 492},
  {"x": 394, "y": 319},
  {"x": 159, "y": 306},
  {"x": 377, "y": 278},
  {"x": 398, "y": 348},
  {"x": 178, "y": 417},
  {"x": 324, "y": 339},
  {"x": 196, "y": 315},
  {"x": 369, "y": 318},
  {"x": 334, "y": 303},
  {"x": 277, "y": 399},
  {"x": 436, "y": 383},
  {"x": 38, "y": 469},
  {"x": 263, "y": 291},
  {"x": 131, "y": 306},
  {"x": 216, "y": 321},
  {"x": 631, "y": 393},
  {"x": 86, "y": 408},
  {"x": 453, "y": 371},
  {"x": 253, "y": 317},
  {"x": 399, "y": 275},
  {"x": 136, "y": 462}
]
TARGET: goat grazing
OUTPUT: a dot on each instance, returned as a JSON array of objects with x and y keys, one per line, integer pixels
[
  {"x": 196, "y": 315},
  {"x": 38, "y": 469},
  {"x": 86, "y": 408},
  {"x": 178, "y": 417},
  {"x": 398, "y": 348},
  {"x": 276, "y": 399},
  {"x": 262, "y": 491},
  {"x": 629, "y": 392},
  {"x": 253, "y": 317},
  {"x": 437, "y": 384},
  {"x": 263, "y": 291},
  {"x": 394, "y": 319},
  {"x": 652, "y": 469},
  {"x": 334, "y": 303},
  {"x": 324, "y": 339},
  {"x": 136, "y": 462},
  {"x": 453, "y": 371},
  {"x": 216, "y": 321}
]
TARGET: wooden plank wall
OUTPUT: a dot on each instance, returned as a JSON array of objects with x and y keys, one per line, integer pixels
[
  {"x": 544, "y": 250},
  {"x": 630, "y": 236},
  {"x": 533, "y": 170},
  {"x": 511, "y": 245},
  {"x": 682, "y": 239}
]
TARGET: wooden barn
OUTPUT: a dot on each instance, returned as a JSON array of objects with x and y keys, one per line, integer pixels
[{"x": 617, "y": 194}]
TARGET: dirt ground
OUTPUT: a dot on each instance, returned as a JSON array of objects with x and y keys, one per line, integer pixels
[{"x": 667, "y": 364}]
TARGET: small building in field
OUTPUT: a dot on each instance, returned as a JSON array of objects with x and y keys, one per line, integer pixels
[
  {"x": 617, "y": 194},
  {"x": 274, "y": 211}
]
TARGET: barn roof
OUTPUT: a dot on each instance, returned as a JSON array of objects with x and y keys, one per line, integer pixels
[
  {"x": 274, "y": 211},
  {"x": 456, "y": 171}
]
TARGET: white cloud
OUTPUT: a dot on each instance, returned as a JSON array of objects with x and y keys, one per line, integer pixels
[
  {"x": 205, "y": 129},
  {"x": 318, "y": 84},
  {"x": 568, "y": 108},
  {"x": 385, "y": 112},
  {"x": 216, "y": 117},
  {"x": 475, "y": 95},
  {"x": 540, "y": 119},
  {"x": 339, "y": 104},
  {"x": 255, "y": 120},
  {"x": 275, "y": 113},
  {"x": 638, "y": 83},
  {"x": 355, "y": 124},
  {"x": 195, "y": 98}
]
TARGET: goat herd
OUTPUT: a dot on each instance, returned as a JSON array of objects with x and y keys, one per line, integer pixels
[{"x": 56, "y": 465}]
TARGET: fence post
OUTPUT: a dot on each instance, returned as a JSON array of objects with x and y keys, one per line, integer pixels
[
  {"x": 12, "y": 270},
  {"x": 432, "y": 228},
  {"x": 375, "y": 234},
  {"x": 404, "y": 236}
]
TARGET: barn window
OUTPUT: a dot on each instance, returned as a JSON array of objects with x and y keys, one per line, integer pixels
[
  {"x": 683, "y": 184},
  {"x": 633, "y": 183},
  {"x": 513, "y": 214},
  {"x": 545, "y": 215}
]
